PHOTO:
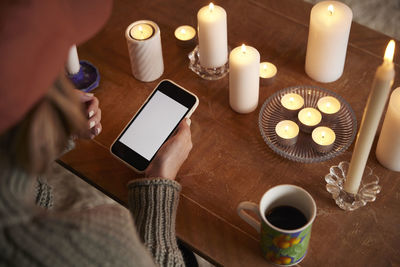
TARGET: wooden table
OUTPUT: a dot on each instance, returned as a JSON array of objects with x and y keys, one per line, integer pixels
[{"x": 230, "y": 162}]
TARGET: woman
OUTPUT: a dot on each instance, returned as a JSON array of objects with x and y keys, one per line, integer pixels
[{"x": 39, "y": 112}]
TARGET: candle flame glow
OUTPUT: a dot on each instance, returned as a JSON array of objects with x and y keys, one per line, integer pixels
[
  {"x": 211, "y": 7},
  {"x": 323, "y": 134},
  {"x": 291, "y": 99},
  {"x": 265, "y": 66},
  {"x": 286, "y": 128},
  {"x": 140, "y": 28},
  {"x": 389, "y": 53},
  {"x": 183, "y": 31},
  {"x": 309, "y": 114},
  {"x": 328, "y": 104},
  {"x": 331, "y": 9},
  {"x": 243, "y": 48}
]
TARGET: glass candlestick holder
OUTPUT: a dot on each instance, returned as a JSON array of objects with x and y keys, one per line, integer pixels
[
  {"x": 367, "y": 192},
  {"x": 206, "y": 73}
]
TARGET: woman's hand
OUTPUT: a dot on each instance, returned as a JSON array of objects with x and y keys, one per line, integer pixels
[
  {"x": 93, "y": 113},
  {"x": 172, "y": 154}
]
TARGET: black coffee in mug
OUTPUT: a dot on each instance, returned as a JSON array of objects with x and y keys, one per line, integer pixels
[{"x": 286, "y": 217}]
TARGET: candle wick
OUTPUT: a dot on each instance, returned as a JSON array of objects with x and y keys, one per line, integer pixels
[{"x": 330, "y": 9}]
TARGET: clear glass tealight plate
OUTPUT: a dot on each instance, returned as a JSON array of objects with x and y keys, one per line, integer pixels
[
  {"x": 206, "y": 73},
  {"x": 367, "y": 192},
  {"x": 344, "y": 124}
]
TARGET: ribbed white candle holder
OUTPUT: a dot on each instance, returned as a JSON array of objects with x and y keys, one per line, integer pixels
[{"x": 145, "y": 55}]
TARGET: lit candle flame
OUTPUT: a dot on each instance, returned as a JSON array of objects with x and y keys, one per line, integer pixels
[
  {"x": 211, "y": 7},
  {"x": 330, "y": 9},
  {"x": 265, "y": 67},
  {"x": 141, "y": 28},
  {"x": 243, "y": 48},
  {"x": 328, "y": 105},
  {"x": 286, "y": 128},
  {"x": 309, "y": 114},
  {"x": 291, "y": 99},
  {"x": 389, "y": 53},
  {"x": 183, "y": 31},
  {"x": 323, "y": 134}
]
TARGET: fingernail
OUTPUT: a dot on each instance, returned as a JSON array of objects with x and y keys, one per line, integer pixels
[
  {"x": 92, "y": 124},
  {"x": 98, "y": 130},
  {"x": 188, "y": 121},
  {"x": 91, "y": 113},
  {"x": 89, "y": 94}
]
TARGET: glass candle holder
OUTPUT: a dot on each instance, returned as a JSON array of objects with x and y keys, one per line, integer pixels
[{"x": 367, "y": 192}]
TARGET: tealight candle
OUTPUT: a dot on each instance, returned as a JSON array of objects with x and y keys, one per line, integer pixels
[
  {"x": 323, "y": 139},
  {"x": 329, "y": 106},
  {"x": 287, "y": 132},
  {"x": 185, "y": 34},
  {"x": 292, "y": 103},
  {"x": 267, "y": 72},
  {"x": 142, "y": 31},
  {"x": 309, "y": 118}
]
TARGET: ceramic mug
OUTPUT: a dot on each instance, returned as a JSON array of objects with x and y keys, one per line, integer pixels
[{"x": 281, "y": 246}]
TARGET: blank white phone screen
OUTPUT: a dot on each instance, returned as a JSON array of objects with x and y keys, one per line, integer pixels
[{"x": 153, "y": 125}]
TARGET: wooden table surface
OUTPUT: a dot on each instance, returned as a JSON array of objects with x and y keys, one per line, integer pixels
[{"x": 230, "y": 162}]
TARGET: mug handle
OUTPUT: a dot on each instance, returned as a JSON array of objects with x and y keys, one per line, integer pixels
[{"x": 247, "y": 205}]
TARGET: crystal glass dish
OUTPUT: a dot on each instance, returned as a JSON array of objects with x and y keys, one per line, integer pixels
[{"x": 344, "y": 124}]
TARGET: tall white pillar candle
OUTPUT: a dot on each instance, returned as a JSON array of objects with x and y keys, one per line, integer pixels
[
  {"x": 213, "y": 36},
  {"x": 388, "y": 148},
  {"x": 72, "y": 64},
  {"x": 369, "y": 124},
  {"x": 244, "y": 81},
  {"x": 328, "y": 35}
]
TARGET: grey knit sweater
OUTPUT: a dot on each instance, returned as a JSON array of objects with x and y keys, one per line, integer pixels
[{"x": 102, "y": 236}]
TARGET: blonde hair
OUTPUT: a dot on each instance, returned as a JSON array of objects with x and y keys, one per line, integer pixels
[{"x": 43, "y": 133}]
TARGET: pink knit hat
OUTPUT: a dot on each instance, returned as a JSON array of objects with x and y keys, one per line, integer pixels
[{"x": 34, "y": 40}]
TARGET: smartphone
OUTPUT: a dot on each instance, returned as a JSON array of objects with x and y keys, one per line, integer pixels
[{"x": 153, "y": 124}]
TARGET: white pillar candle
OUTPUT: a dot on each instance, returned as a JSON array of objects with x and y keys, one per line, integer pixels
[
  {"x": 328, "y": 35},
  {"x": 185, "y": 33},
  {"x": 369, "y": 124},
  {"x": 267, "y": 72},
  {"x": 323, "y": 138},
  {"x": 213, "y": 36},
  {"x": 309, "y": 118},
  {"x": 73, "y": 65},
  {"x": 292, "y": 103},
  {"x": 287, "y": 132},
  {"x": 244, "y": 63},
  {"x": 388, "y": 148}
]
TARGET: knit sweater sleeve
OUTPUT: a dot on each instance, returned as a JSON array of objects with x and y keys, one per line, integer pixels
[{"x": 153, "y": 203}]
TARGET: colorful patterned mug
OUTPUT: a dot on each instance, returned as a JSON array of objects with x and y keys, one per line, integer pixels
[{"x": 279, "y": 245}]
